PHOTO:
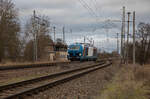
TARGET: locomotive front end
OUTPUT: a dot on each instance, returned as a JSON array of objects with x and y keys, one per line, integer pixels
[{"x": 74, "y": 52}]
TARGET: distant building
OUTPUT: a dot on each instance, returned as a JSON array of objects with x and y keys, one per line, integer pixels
[
  {"x": 55, "y": 52},
  {"x": 60, "y": 52}
]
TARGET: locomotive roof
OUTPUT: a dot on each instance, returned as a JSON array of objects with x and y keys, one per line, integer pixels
[{"x": 83, "y": 44}]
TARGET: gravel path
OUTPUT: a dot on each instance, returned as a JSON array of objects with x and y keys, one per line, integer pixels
[
  {"x": 85, "y": 87},
  {"x": 10, "y": 76}
]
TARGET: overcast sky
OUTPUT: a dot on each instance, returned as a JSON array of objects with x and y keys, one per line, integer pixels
[{"x": 75, "y": 16}]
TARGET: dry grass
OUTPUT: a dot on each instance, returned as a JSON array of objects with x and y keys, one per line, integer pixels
[
  {"x": 27, "y": 63},
  {"x": 19, "y": 79},
  {"x": 142, "y": 73},
  {"x": 131, "y": 82}
]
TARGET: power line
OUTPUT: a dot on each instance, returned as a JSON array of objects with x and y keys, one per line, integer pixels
[
  {"x": 91, "y": 11},
  {"x": 89, "y": 8},
  {"x": 86, "y": 6},
  {"x": 95, "y": 4}
]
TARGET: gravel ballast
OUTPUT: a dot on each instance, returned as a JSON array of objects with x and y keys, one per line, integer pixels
[
  {"x": 85, "y": 87},
  {"x": 11, "y": 76}
]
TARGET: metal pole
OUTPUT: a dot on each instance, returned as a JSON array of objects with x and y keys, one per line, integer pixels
[
  {"x": 64, "y": 34},
  {"x": 127, "y": 47},
  {"x": 134, "y": 37},
  {"x": 35, "y": 43},
  {"x": 118, "y": 43},
  {"x": 93, "y": 42},
  {"x": 54, "y": 32},
  {"x": 71, "y": 37},
  {"x": 121, "y": 47},
  {"x": 84, "y": 39},
  {"x": 122, "y": 35}
]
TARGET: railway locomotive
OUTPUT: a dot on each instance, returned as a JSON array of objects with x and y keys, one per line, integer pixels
[{"x": 82, "y": 52}]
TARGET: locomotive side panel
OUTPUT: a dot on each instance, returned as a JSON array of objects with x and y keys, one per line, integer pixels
[{"x": 82, "y": 52}]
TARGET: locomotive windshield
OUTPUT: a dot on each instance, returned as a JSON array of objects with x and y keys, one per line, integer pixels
[{"x": 74, "y": 47}]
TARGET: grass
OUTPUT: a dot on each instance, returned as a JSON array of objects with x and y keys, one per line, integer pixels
[
  {"x": 18, "y": 79},
  {"x": 128, "y": 83},
  {"x": 28, "y": 63}
]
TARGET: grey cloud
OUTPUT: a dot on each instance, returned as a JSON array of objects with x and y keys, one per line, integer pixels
[
  {"x": 46, "y": 4},
  {"x": 72, "y": 15}
]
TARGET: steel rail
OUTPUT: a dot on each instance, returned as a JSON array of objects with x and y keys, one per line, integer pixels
[
  {"x": 92, "y": 68},
  {"x": 4, "y": 87}
]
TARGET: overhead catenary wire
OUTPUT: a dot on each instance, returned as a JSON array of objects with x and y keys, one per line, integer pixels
[
  {"x": 86, "y": 6},
  {"x": 95, "y": 4},
  {"x": 92, "y": 12}
]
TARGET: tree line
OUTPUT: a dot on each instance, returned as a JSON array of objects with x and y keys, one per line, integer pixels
[
  {"x": 142, "y": 44},
  {"x": 16, "y": 44}
]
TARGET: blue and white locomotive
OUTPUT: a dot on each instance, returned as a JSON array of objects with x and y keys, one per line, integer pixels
[{"x": 82, "y": 52}]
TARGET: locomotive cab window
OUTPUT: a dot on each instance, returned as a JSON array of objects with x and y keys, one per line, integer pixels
[{"x": 75, "y": 47}]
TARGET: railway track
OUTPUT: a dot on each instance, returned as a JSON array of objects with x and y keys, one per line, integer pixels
[
  {"x": 36, "y": 65},
  {"x": 20, "y": 89}
]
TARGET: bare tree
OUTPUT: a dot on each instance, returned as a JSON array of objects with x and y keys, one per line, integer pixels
[
  {"x": 147, "y": 48},
  {"x": 9, "y": 31},
  {"x": 40, "y": 28},
  {"x": 142, "y": 44},
  {"x": 143, "y": 41}
]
